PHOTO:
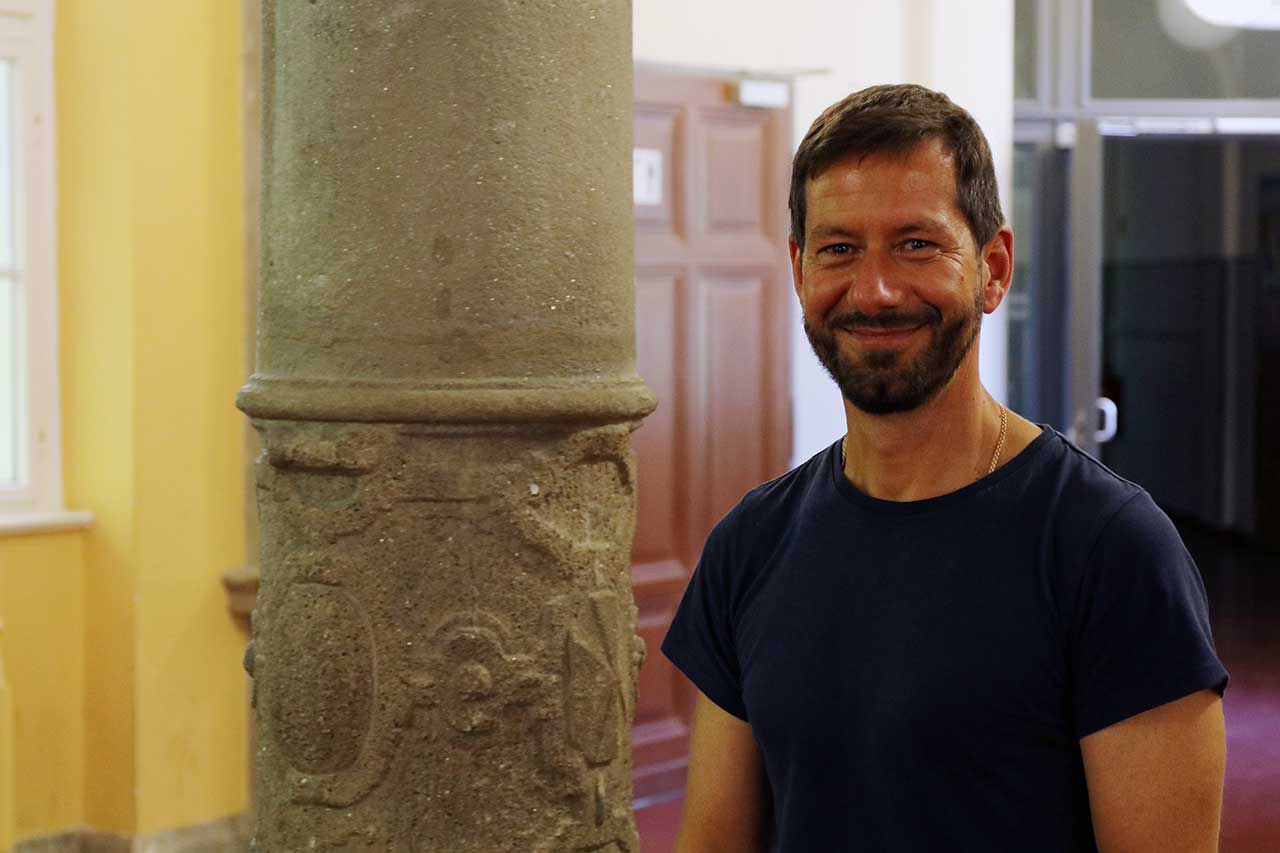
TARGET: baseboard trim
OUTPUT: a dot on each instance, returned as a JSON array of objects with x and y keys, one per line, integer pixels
[
  {"x": 77, "y": 840},
  {"x": 226, "y": 835}
]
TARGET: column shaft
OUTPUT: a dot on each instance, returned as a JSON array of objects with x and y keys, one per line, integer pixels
[{"x": 444, "y": 646}]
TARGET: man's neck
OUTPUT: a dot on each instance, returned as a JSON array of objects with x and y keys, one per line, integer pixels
[{"x": 944, "y": 445}]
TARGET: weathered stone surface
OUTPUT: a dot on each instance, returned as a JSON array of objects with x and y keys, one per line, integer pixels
[
  {"x": 447, "y": 214},
  {"x": 444, "y": 649},
  {"x": 444, "y": 643}
]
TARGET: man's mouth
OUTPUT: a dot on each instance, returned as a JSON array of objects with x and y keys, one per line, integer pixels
[{"x": 883, "y": 335}]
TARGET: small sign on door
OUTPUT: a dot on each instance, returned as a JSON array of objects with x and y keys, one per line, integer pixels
[{"x": 646, "y": 165}]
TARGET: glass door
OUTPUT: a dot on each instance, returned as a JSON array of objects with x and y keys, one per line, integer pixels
[{"x": 1173, "y": 314}]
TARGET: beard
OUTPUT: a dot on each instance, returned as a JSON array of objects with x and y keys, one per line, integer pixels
[{"x": 883, "y": 382}]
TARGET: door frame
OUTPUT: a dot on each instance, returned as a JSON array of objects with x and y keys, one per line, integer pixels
[{"x": 1084, "y": 271}]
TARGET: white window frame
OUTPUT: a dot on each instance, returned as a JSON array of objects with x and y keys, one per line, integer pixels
[
  {"x": 1064, "y": 64},
  {"x": 26, "y": 40}
]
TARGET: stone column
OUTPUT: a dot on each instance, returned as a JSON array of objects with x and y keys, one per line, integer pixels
[{"x": 444, "y": 645}]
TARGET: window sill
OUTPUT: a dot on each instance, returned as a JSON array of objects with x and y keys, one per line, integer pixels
[{"x": 22, "y": 523}]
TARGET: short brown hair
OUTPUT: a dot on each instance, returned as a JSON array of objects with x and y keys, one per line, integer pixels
[{"x": 897, "y": 118}]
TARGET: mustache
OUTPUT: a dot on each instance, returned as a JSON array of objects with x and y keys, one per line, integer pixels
[{"x": 884, "y": 319}]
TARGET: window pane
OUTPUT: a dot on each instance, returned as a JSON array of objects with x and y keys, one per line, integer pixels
[
  {"x": 10, "y": 341},
  {"x": 7, "y": 153},
  {"x": 1161, "y": 49},
  {"x": 1024, "y": 49}
]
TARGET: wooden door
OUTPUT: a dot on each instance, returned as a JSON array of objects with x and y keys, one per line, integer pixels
[{"x": 712, "y": 299}]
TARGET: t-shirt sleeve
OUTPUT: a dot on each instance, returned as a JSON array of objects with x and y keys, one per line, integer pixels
[
  {"x": 700, "y": 641},
  {"x": 1140, "y": 635}
]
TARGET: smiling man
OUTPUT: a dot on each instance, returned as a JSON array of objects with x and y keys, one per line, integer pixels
[{"x": 951, "y": 629}]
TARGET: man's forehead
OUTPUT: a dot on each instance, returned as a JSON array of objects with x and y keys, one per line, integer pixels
[
  {"x": 928, "y": 165},
  {"x": 906, "y": 191}
]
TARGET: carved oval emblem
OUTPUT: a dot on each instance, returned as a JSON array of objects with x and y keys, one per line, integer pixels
[{"x": 322, "y": 678}]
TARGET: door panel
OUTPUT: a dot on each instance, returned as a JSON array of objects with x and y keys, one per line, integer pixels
[
  {"x": 733, "y": 149},
  {"x": 736, "y": 189},
  {"x": 735, "y": 384},
  {"x": 712, "y": 300}
]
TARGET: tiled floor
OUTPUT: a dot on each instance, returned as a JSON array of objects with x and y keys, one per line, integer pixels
[{"x": 1243, "y": 584}]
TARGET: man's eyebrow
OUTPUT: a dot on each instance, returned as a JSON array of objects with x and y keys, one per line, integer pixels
[
  {"x": 930, "y": 225},
  {"x": 927, "y": 225},
  {"x": 825, "y": 231}
]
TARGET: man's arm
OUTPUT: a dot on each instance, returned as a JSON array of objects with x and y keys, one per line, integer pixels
[
  {"x": 727, "y": 807},
  {"x": 1155, "y": 779}
]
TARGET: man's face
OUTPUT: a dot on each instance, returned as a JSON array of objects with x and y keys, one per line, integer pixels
[{"x": 891, "y": 285}]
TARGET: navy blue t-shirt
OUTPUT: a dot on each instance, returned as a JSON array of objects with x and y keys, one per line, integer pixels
[{"x": 918, "y": 674}]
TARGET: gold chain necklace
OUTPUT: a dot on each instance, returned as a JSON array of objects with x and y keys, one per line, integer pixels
[
  {"x": 1004, "y": 428},
  {"x": 995, "y": 457}
]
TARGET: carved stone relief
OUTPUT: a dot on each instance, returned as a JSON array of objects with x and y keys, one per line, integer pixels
[{"x": 444, "y": 646}]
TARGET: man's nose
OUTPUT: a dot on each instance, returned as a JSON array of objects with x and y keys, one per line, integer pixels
[{"x": 873, "y": 286}]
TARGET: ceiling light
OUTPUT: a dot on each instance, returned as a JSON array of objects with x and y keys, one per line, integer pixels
[{"x": 1246, "y": 14}]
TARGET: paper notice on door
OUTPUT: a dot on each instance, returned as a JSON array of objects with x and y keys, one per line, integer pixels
[{"x": 646, "y": 164}]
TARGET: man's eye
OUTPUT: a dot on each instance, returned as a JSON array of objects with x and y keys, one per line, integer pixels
[
  {"x": 836, "y": 249},
  {"x": 916, "y": 245}
]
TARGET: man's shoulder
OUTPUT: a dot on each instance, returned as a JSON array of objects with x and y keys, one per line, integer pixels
[
  {"x": 1083, "y": 486},
  {"x": 1087, "y": 500}
]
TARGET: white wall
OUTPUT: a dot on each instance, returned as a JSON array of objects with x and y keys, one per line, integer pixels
[{"x": 834, "y": 47}]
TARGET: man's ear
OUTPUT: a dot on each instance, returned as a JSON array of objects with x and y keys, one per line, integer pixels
[
  {"x": 797, "y": 262},
  {"x": 997, "y": 260}
]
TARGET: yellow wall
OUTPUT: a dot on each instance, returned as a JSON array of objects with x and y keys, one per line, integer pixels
[
  {"x": 97, "y": 291},
  {"x": 122, "y": 661},
  {"x": 41, "y": 603},
  {"x": 188, "y": 318}
]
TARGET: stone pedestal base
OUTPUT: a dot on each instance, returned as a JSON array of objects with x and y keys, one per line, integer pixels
[{"x": 444, "y": 648}]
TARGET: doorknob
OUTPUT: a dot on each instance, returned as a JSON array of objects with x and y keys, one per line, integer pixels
[{"x": 1110, "y": 417}]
